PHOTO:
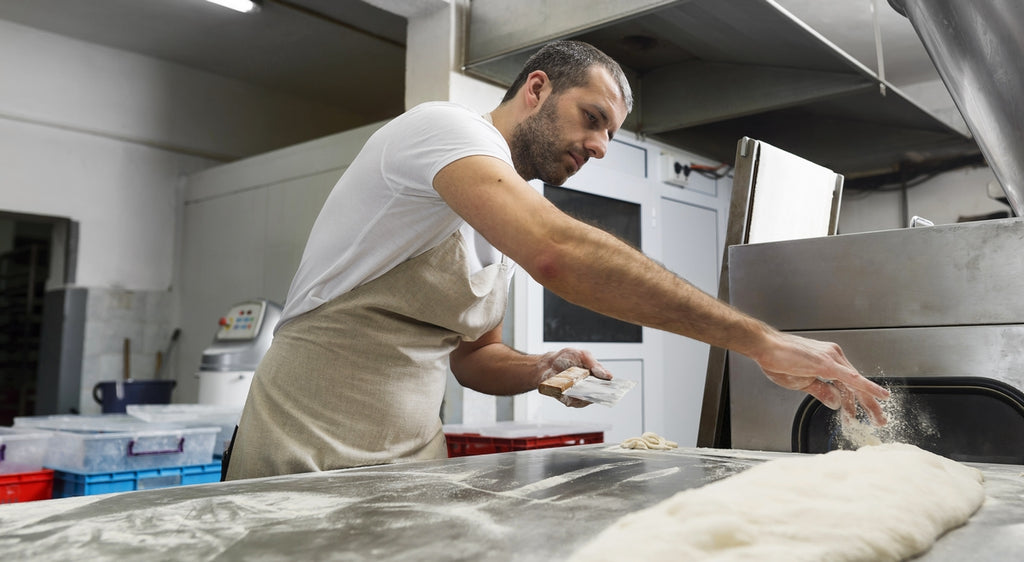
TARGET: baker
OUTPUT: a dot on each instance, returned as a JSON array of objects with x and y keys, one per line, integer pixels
[{"x": 407, "y": 268}]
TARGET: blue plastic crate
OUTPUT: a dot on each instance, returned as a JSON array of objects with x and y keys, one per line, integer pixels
[{"x": 67, "y": 484}]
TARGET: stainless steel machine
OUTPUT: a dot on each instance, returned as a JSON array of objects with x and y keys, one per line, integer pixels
[
  {"x": 228, "y": 364},
  {"x": 933, "y": 312}
]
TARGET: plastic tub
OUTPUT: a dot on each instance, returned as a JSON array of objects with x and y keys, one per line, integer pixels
[
  {"x": 192, "y": 415},
  {"x": 22, "y": 450},
  {"x": 98, "y": 423},
  {"x": 67, "y": 484},
  {"x": 504, "y": 437},
  {"x": 26, "y": 486},
  {"x": 120, "y": 451}
]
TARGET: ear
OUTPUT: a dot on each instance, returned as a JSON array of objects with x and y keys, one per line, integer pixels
[{"x": 536, "y": 88}]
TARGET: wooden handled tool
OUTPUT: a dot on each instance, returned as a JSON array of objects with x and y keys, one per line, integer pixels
[{"x": 563, "y": 381}]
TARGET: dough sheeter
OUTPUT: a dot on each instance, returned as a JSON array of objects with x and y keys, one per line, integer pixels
[{"x": 536, "y": 505}]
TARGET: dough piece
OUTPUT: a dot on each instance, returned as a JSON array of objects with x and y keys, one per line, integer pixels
[
  {"x": 885, "y": 502},
  {"x": 649, "y": 440}
]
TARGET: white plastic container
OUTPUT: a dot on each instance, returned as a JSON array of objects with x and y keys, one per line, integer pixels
[
  {"x": 22, "y": 450},
  {"x": 134, "y": 450},
  {"x": 192, "y": 415},
  {"x": 98, "y": 423}
]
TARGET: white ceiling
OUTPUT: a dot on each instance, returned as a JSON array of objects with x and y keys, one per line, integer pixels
[
  {"x": 342, "y": 53},
  {"x": 351, "y": 54}
]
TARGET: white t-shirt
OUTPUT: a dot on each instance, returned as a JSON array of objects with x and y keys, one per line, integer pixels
[{"x": 384, "y": 209}]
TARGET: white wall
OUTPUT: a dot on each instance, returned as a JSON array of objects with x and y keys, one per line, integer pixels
[
  {"x": 942, "y": 200},
  {"x": 244, "y": 228},
  {"x": 105, "y": 137}
]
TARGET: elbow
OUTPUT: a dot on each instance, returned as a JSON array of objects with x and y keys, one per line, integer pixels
[{"x": 549, "y": 267}]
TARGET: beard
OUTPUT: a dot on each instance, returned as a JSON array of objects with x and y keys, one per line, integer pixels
[{"x": 536, "y": 151}]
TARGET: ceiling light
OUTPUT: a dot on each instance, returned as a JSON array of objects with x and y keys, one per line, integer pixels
[{"x": 243, "y": 6}]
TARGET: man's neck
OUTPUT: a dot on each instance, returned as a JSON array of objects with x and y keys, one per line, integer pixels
[{"x": 504, "y": 119}]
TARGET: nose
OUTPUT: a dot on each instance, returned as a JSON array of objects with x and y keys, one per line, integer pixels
[{"x": 596, "y": 144}]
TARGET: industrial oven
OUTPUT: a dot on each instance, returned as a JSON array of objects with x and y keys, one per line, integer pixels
[{"x": 934, "y": 313}]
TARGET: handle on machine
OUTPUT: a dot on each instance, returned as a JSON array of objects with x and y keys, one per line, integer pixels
[
  {"x": 180, "y": 449},
  {"x": 96, "y": 394}
]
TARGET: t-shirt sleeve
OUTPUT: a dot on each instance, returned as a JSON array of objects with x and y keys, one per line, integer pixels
[{"x": 430, "y": 138}]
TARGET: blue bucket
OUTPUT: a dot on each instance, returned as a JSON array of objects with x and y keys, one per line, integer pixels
[{"x": 115, "y": 395}]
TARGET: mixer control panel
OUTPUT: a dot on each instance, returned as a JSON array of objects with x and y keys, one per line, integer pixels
[{"x": 242, "y": 322}]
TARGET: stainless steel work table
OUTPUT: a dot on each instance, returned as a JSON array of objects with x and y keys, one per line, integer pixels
[{"x": 526, "y": 506}]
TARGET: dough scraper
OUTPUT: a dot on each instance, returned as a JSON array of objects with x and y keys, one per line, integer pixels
[{"x": 579, "y": 383}]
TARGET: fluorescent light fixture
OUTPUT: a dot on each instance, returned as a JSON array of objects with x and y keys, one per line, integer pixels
[{"x": 244, "y": 6}]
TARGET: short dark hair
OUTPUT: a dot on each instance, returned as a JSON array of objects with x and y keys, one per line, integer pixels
[{"x": 567, "y": 64}]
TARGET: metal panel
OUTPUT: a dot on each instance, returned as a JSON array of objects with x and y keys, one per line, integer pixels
[
  {"x": 964, "y": 274},
  {"x": 728, "y": 91},
  {"x": 500, "y": 27},
  {"x": 706, "y": 73},
  {"x": 762, "y": 413}
]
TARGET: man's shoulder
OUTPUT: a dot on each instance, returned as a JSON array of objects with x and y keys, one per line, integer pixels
[
  {"x": 444, "y": 111},
  {"x": 440, "y": 107}
]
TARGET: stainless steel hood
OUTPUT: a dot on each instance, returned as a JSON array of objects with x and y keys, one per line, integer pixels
[
  {"x": 706, "y": 73},
  {"x": 978, "y": 49}
]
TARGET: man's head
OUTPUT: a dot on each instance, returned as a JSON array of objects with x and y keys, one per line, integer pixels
[
  {"x": 570, "y": 99},
  {"x": 567, "y": 64}
]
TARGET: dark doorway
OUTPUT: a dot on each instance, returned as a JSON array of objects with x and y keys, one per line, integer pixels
[{"x": 33, "y": 254}]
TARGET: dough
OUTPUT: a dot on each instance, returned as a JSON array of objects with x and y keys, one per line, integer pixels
[
  {"x": 649, "y": 440},
  {"x": 885, "y": 502}
]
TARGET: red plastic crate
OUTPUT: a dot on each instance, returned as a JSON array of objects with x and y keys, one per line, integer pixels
[
  {"x": 26, "y": 486},
  {"x": 466, "y": 444}
]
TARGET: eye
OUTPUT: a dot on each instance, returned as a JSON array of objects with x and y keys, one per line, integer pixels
[{"x": 590, "y": 116}]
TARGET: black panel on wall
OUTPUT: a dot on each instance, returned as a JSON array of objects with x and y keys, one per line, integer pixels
[
  {"x": 61, "y": 348},
  {"x": 567, "y": 322}
]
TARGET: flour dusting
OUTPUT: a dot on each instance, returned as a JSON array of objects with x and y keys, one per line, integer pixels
[{"x": 908, "y": 422}]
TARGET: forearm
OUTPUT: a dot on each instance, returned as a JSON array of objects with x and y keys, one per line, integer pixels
[
  {"x": 489, "y": 366},
  {"x": 494, "y": 368},
  {"x": 594, "y": 269}
]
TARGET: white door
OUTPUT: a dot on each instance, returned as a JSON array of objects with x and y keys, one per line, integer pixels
[
  {"x": 691, "y": 249},
  {"x": 617, "y": 181}
]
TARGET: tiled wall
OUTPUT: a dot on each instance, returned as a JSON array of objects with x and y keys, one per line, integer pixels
[{"x": 114, "y": 315}]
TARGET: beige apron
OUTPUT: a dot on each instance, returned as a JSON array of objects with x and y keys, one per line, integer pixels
[{"x": 359, "y": 380}]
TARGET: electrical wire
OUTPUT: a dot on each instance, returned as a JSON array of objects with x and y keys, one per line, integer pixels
[{"x": 711, "y": 172}]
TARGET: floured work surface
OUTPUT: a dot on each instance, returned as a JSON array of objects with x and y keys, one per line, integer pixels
[
  {"x": 885, "y": 502},
  {"x": 502, "y": 507}
]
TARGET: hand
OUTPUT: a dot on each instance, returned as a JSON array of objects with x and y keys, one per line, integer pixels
[
  {"x": 822, "y": 370},
  {"x": 550, "y": 364}
]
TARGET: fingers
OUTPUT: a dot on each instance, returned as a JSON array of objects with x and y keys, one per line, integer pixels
[
  {"x": 846, "y": 373},
  {"x": 600, "y": 372},
  {"x": 569, "y": 357},
  {"x": 587, "y": 361},
  {"x": 856, "y": 389},
  {"x": 849, "y": 401},
  {"x": 827, "y": 393},
  {"x": 874, "y": 410},
  {"x": 573, "y": 402},
  {"x": 837, "y": 397},
  {"x": 837, "y": 383}
]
